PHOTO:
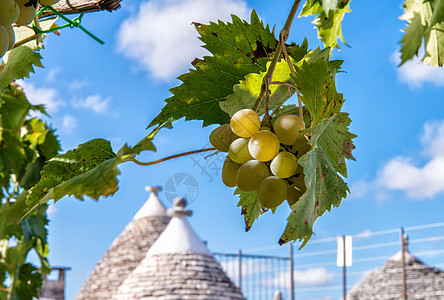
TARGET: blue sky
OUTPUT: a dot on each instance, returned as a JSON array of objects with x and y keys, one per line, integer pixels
[{"x": 113, "y": 91}]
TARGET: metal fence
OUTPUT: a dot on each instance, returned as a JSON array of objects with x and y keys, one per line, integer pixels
[
  {"x": 260, "y": 276},
  {"x": 312, "y": 273}
]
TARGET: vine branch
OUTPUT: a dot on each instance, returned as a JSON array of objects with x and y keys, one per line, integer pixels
[
  {"x": 283, "y": 36},
  {"x": 170, "y": 157}
]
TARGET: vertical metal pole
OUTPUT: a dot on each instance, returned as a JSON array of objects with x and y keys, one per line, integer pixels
[
  {"x": 344, "y": 277},
  {"x": 240, "y": 269},
  {"x": 291, "y": 273},
  {"x": 404, "y": 275}
]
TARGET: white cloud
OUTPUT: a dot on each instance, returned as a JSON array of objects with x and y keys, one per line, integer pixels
[
  {"x": 52, "y": 74},
  {"x": 96, "y": 102},
  {"x": 42, "y": 95},
  {"x": 52, "y": 209},
  {"x": 69, "y": 123},
  {"x": 308, "y": 277},
  {"x": 415, "y": 73},
  {"x": 161, "y": 38},
  {"x": 420, "y": 182}
]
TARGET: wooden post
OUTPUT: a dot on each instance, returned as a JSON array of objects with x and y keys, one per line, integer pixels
[
  {"x": 291, "y": 273},
  {"x": 83, "y": 6},
  {"x": 404, "y": 274},
  {"x": 344, "y": 277},
  {"x": 239, "y": 256}
]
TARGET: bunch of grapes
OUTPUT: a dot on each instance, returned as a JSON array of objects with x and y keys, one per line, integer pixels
[
  {"x": 262, "y": 159},
  {"x": 17, "y": 12}
]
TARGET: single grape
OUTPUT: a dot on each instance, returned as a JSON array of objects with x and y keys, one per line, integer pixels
[
  {"x": 238, "y": 151},
  {"x": 48, "y": 2},
  {"x": 4, "y": 40},
  {"x": 229, "y": 171},
  {"x": 284, "y": 164},
  {"x": 264, "y": 145},
  {"x": 293, "y": 194},
  {"x": 245, "y": 122},
  {"x": 250, "y": 175},
  {"x": 300, "y": 147},
  {"x": 287, "y": 128},
  {"x": 11, "y": 35},
  {"x": 222, "y": 137},
  {"x": 27, "y": 13},
  {"x": 9, "y": 12},
  {"x": 272, "y": 192}
]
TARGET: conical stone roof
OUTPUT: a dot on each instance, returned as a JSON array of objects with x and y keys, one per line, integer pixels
[
  {"x": 178, "y": 266},
  {"x": 423, "y": 282},
  {"x": 127, "y": 250}
]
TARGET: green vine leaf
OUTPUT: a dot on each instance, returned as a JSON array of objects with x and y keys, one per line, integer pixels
[
  {"x": 325, "y": 188},
  {"x": 317, "y": 86},
  {"x": 76, "y": 173},
  {"x": 251, "y": 207},
  {"x": 20, "y": 63},
  {"x": 333, "y": 137},
  {"x": 329, "y": 20}
]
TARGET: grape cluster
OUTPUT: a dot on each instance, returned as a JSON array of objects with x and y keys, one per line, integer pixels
[
  {"x": 18, "y": 12},
  {"x": 262, "y": 159}
]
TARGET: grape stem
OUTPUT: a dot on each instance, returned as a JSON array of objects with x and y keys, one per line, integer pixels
[
  {"x": 293, "y": 73},
  {"x": 170, "y": 157},
  {"x": 283, "y": 36},
  {"x": 29, "y": 38}
]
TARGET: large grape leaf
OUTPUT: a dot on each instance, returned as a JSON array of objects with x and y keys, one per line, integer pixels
[
  {"x": 325, "y": 188},
  {"x": 333, "y": 137},
  {"x": 330, "y": 14},
  {"x": 425, "y": 22},
  {"x": 63, "y": 174},
  {"x": 89, "y": 170},
  {"x": 317, "y": 86},
  {"x": 238, "y": 49},
  {"x": 247, "y": 91},
  {"x": 251, "y": 207}
]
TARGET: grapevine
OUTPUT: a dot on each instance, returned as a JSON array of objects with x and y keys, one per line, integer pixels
[{"x": 279, "y": 117}]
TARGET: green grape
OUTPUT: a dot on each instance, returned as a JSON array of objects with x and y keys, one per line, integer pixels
[
  {"x": 48, "y": 2},
  {"x": 272, "y": 192},
  {"x": 245, "y": 123},
  {"x": 11, "y": 35},
  {"x": 250, "y": 175},
  {"x": 27, "y": 13},
  {"x": 229, "y": 171},
  {"x": 294, "y": 192},
  {"x": 222, "y": 137},
  {"x": 9, "y": 12},
  {"x": 287, "y": 128},
  {"x": 300, "y": 147},
  {"x": 238, "y": 151},
  {"x": 4, "y": 40},
  {"x": 284, "y": 164},
  {"x": 264, "y": 145}
]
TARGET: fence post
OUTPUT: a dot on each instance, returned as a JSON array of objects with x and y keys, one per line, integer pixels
[
  {"x": 291, "y": 273},
  {"x": 344, "y": 276},
  {"x": 404, "y": 275},
  {"x": 240, "y": 269}
]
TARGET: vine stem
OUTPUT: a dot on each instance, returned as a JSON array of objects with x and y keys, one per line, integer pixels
[
  {"x": 170, "y": 157},
  {"x": 283, "y": 36}
]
